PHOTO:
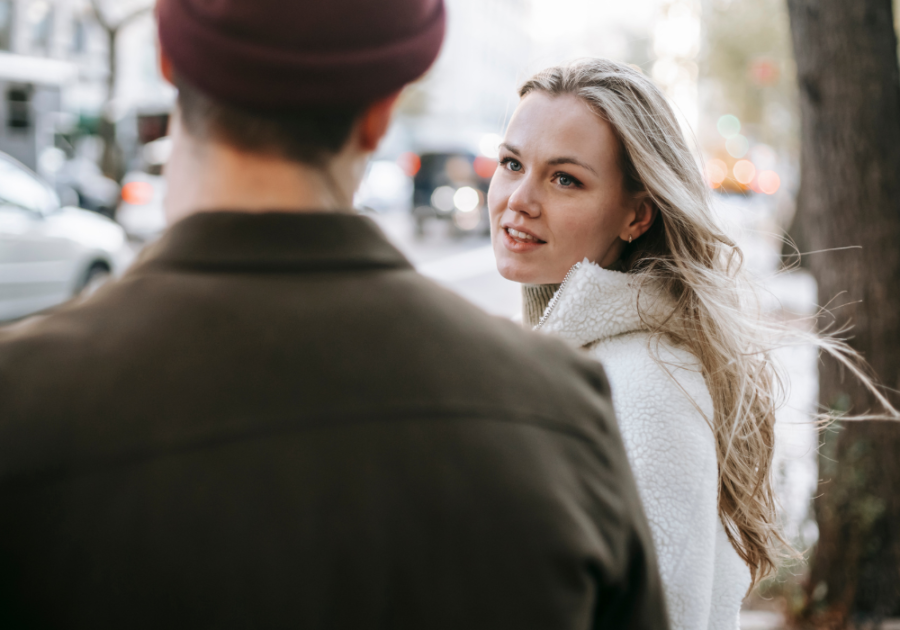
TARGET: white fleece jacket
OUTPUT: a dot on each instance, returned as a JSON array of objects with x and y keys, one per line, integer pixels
[{"x": 661, "y": 411}]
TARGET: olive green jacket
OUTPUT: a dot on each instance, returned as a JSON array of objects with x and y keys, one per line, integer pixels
[{"x": 273, "y": 422}]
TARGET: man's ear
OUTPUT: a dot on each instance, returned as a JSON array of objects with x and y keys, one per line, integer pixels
[
  {"x": 165, "y": 67},
  {"x": 375, "y": 121}
]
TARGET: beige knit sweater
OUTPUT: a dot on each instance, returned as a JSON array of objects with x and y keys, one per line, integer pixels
[{"x": 535, "y": 298}]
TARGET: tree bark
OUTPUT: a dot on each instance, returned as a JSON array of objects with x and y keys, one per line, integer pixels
[
  {"x": 111, "y": 161},
  {"x": 846, "y": 53}
]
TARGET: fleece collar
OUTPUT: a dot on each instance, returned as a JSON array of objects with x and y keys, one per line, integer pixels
[{"x": 595, "y": 304}]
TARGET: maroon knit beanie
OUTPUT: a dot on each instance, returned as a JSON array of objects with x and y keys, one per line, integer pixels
[{"x": 283, "y": 54}]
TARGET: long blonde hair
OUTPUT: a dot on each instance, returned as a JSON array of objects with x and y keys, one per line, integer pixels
[{"x": 687, "y": 255}]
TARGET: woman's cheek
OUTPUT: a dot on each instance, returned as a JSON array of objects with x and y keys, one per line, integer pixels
[
  {"x": 567, "y": 230},
  {"x": 496, "y": 195}
]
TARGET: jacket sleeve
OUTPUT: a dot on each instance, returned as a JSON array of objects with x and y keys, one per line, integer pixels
[{"x": 671, "y": 449}]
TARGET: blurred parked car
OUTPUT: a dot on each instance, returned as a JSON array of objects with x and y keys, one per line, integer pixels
[
  {"x": 450, "y": 187},
  {"x": 50, "y": 253},
  {"x": 92, "y": 190},
  {"x": 140, "y": 211}
]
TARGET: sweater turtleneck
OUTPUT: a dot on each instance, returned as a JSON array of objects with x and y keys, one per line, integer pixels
[{"x": 535, "y": 298}]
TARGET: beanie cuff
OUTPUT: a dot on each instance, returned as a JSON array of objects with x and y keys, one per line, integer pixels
[{"x": 253, "y": 76}]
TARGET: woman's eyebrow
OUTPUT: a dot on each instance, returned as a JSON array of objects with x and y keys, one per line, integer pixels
[
  {"x": 554, "y": 162},
  {"x": 571, "y": 160}
]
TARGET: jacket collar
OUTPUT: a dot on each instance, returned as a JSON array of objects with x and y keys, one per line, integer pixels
[
  {"x": 595, "y": 304},
  {"x": 274, "y": 241}
]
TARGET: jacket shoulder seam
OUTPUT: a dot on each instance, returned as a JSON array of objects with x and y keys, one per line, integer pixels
[{"x": 326, "y": 420}]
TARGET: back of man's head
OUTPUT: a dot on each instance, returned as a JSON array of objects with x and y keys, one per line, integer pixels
[{"x": 289, "y": 79}]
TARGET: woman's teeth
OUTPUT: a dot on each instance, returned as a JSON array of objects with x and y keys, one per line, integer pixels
[{"x": 522, "y": 236}]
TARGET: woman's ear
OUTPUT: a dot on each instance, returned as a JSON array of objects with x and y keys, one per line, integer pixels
[{"x": 645, "y": 212}]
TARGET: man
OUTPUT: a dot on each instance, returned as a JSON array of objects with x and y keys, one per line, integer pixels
[{"x": 272, "y": 420}]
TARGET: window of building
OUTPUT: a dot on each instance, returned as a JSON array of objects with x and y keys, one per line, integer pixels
[
  {"x": 18, "y": 107},
  {"x": 6, "y": 24},
  {"x": 79, "y": 35}
]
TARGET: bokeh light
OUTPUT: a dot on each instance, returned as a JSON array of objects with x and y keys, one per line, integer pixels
[
  {"x": 137, "y": 193},
  {"x": 678, "y": 34},
  {"x": 466, "y": 199},
  {"x": 744, "y": 171},
  {"x": 737, "y": 146},
  {"x": 410, "y": 163},
  {"x": 485, "y": 167},
  {"x": 769, "y": 182},
  {"x": 490, "y": 145},
  {"x": 764, "y": 72},
  {"x": 716, "y": 172},
  {"x": 442, "y": 198},
  {"x": 729, "y": 126},
  {"x": 764, "y": 157}
]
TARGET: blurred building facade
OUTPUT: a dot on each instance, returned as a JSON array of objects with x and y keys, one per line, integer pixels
[
  {"x": 494, "y": 45},
  {"x": 34, "y": 71},
  {"x": 56, "y": 57},
  {"x": 471, "y": 90}
]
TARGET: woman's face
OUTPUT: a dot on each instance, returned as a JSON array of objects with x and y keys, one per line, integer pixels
[{"x": 558, "y": 194}]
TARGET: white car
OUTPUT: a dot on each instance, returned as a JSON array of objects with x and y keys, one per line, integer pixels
[{"x": 48, "y": 253}]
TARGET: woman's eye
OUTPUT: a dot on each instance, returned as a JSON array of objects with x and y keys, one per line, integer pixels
[
  {"x": 567, "y": 180},
  {"x": 511, "y": 164}
]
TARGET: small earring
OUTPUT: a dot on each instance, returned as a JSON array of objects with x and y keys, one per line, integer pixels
[{"x": 629, "y": 238}]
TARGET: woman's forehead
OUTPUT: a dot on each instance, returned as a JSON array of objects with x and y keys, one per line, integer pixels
[{"x": 544, "y": 125}]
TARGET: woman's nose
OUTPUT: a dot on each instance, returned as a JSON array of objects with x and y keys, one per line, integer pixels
[{"x": 525, "y": 200}]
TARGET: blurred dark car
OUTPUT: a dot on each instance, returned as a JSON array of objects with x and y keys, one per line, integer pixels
[{"x": 451, "y": 187}]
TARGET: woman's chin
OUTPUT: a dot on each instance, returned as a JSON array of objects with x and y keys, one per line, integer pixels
[
  {"x": 522, "y": 268},
  {"x": 515, "y": 271}
]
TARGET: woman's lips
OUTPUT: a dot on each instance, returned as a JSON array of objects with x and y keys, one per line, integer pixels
[{"x": 519, "y": 242}]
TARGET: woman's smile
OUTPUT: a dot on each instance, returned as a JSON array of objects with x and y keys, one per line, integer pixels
[{"x": 519, "y": 240}]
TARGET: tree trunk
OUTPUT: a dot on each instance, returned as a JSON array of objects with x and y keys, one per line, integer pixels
[
  {"x": 111, "y": 161},
  {"x": 846, "y": 52}
]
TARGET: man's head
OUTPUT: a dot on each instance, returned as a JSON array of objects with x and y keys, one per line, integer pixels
[
  {"x": 304, "y": 82},
  {"x": 310, "y": 135}
]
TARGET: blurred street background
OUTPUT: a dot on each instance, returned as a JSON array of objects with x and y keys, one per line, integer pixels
[{"x": 84, "y": 110}]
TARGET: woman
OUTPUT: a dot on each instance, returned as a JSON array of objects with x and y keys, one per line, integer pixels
[{"x": 597, "y": 191}]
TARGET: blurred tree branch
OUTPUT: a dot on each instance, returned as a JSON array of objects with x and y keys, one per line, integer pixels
[{"x": 112, "y": 161}]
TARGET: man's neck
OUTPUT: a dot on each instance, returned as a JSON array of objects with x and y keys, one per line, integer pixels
[{"x": 209, "y": 176}]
